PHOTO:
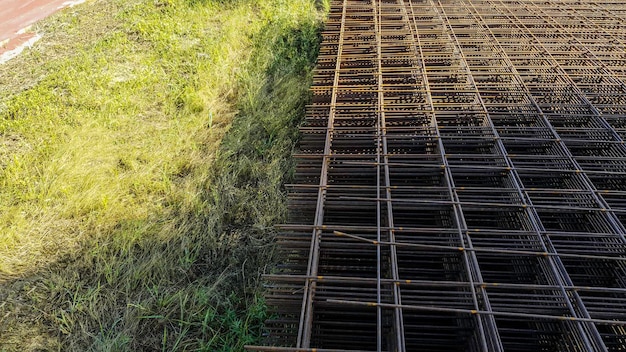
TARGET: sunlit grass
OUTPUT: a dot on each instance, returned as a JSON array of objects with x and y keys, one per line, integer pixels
[{"x": 144, "y": 145}]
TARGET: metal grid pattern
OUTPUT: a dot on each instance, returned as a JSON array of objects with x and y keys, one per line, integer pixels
[{"x": 461, "y": 181}]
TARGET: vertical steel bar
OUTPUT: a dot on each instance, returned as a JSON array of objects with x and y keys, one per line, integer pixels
[
  {"x": 306, "y": 316},
  {"x": 382, "y": 128}
]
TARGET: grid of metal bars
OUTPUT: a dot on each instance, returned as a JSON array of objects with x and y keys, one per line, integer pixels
[{"x": 461, "y": 183}]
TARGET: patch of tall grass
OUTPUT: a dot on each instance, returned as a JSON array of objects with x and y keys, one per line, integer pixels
[{"x": 144, "y": 145}]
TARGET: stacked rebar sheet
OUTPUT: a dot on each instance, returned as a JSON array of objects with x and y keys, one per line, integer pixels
[{"x": 461, "y": 181}]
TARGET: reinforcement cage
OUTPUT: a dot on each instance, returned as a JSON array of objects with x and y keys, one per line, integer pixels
[{"x": 461, "y": 181}]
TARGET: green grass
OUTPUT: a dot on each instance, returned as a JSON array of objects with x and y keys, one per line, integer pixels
[{"x": 143, "y": 149}]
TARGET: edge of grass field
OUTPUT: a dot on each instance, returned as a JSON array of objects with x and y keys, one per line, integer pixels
[{"x": 146, "y": 145}]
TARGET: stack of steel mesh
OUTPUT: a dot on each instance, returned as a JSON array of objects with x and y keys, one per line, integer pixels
[{"x": 461, "y": 181}]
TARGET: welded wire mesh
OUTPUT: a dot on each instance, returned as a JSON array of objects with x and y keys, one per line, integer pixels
[{"x": 461, "y": 181}]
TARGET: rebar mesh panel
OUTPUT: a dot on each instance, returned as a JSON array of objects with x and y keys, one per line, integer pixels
[{"x": 461, "y": 181}]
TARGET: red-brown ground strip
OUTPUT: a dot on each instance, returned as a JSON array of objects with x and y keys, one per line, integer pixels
[{"x": 18, "y": 15}]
